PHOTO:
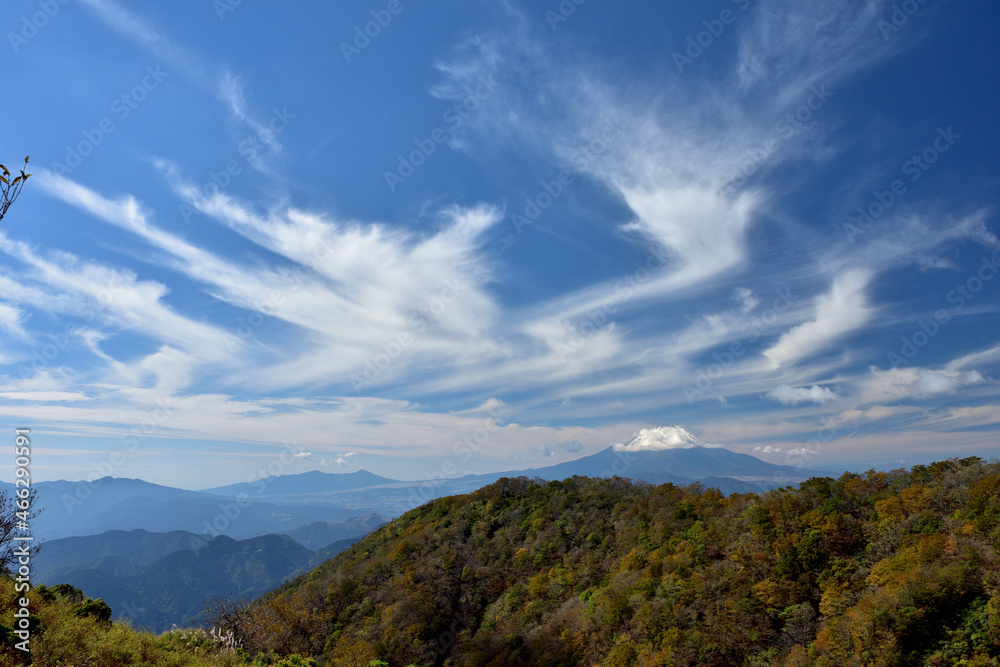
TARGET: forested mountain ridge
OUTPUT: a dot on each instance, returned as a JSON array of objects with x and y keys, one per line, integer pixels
[{"x": 896, "y": 568}]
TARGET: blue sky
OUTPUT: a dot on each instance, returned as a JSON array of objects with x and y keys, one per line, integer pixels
[{"x": 342, "y": 235}]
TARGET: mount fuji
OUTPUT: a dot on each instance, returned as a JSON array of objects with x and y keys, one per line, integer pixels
[{"x": 671, "y": 454}]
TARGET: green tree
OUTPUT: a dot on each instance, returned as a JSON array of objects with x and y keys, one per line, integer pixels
[{"x": 98, "y": 608}]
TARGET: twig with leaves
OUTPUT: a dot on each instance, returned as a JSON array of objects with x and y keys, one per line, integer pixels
[{"x": 11, "y": 188}]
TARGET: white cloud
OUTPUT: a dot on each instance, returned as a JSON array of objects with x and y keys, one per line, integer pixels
[
  {"x": 357, "y": 287},
  {"x": 704, "y": 231},
  {"x": 983, "y": 357},
  {"x": 44, "y": 396},
  {"x": 746, "y": 298},
  {"x": 492, "y": 405},
  {"x": 842, "y": 310},
  {"x": 117, "y": 296},
  {"x": 919, "y": 383},
  {"x": 134, "y": 27},
  {"x": 572, "y": 446},
  {"x": 12, "y": 319},
  {"x": 342, "y": 460},
  {"x": 788, "y": 395},
  {"x": 914, "y": 237},
  {"x": 930, "y": 383},
  {"x": 232, "y": 92},
  {"x": 980, "y": 415},
  {"x": 668, "y": 158},
  {"x": 768, "y": 449},
  {"x": 227, "y": 87},
  {"x": 797, "y": 43},
  {"x": 930, "y": 262},
  {"x": 672, "y": 159}
]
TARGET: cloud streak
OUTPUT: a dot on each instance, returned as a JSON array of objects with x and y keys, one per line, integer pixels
[{"x": 787, "y": 395}]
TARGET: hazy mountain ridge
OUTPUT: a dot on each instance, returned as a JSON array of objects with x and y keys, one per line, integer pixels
[
  {"x": 116, "y": 552},
  {"x": 658, "y": 455},
  {"x": 323, "y": 533},
  {"x": 313, "y": 482},
  {"x": 110, "y": 503},
  {"x": 124, "y": 553},
  {"x": 160, "y": 579},
  {"x": 173, "y": 589},
  {"x": 280, "y": 505},
  {"x": 165, "y": 579}
]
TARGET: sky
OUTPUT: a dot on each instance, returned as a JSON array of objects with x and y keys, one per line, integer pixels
[{"x": 476, "y": 236}]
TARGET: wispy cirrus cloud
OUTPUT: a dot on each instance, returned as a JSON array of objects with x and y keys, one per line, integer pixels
[
  {"x": 133, "y": 27},
  {"x": 227, "y": 87},
  {"x": 11, "y": 320},
  {"x": 350, "y": 288},
  {"x": 119, "y": 296},
  {"x": 795, "y": 395}
]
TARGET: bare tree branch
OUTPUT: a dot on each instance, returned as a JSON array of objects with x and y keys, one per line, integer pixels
[
  {"x": 9, "y": 529},
  {"x": 11, "y": 186}
]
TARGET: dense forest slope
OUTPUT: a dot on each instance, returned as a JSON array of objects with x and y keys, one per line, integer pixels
[{"x": 895, "y": 568}]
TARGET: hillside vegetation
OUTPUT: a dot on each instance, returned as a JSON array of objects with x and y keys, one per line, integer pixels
[
  {"x": 895, "y": 568},
  {"x": 68, "y": 628}
]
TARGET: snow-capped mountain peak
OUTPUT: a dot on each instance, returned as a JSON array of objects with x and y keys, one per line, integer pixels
[{"x": 661, "y": 438}]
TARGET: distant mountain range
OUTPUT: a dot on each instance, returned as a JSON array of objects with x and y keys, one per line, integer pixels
[
  {"x": 323, "y": 533},
  {"x": 657, "y": 455},
  {"x": 124, "y": 553},
  {"x": 117, "y": 503},
  {"x": 281, "y": 505},
  {"x": 160, "y": 579},
  {"x": 305, "y": 484},
  {"x": 671, "y": 454}
]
